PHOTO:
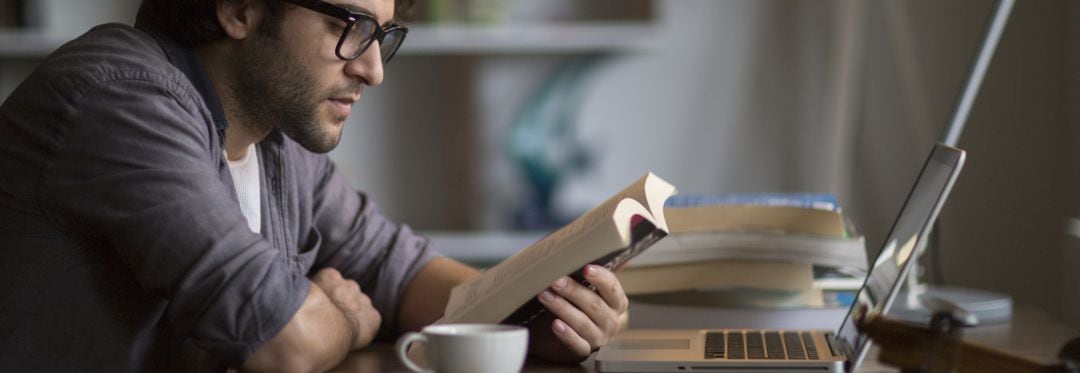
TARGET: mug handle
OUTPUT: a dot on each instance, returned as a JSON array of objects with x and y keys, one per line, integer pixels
[{"x": 403, "y": 350}]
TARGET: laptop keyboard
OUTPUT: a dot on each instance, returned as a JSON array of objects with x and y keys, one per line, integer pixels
[{"x": 771, "y": 345}]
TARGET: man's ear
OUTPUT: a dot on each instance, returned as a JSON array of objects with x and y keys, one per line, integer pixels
[{"x": 239, "y": 18}]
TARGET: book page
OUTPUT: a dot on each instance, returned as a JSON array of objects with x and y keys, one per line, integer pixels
[{"x": 657, "y": 192}]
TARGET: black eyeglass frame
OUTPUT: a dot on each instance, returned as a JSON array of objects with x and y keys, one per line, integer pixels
[{"x": 351, "y": 19}]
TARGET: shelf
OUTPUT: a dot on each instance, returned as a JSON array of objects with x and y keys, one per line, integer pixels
[
  {"x": 528, "y": 39},
  {"x": 28, "y": 43},
  {"x": 441, "y": 40}
]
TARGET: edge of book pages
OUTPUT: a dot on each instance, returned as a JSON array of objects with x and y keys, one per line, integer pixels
[
  {"x": 761, "y": 218},
  {"x": 705, "y": 246},
  {"x": 717, "y": 275}
]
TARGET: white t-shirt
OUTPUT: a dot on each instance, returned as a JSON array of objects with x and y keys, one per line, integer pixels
[{"x": 245, "y": 174}]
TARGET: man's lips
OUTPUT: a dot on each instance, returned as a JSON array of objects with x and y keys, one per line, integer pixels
[{"x": 342, "y": 105}]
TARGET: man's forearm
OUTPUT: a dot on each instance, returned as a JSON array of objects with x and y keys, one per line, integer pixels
[
  {"x": 426, "y": 295},
  {"x": 316, "y": 339}
]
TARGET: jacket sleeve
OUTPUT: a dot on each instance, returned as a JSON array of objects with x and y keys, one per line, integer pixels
[
  {"x": 132, "y": 167},
  {"x": 380, "y": 254}
]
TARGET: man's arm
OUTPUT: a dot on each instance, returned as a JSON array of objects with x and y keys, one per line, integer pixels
[
  {"x": 429, "y": 291},
  {"x": 334, "y": 319}
]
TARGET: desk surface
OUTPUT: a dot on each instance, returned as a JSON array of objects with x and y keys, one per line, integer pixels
[{"x": 1032, "y": 334}]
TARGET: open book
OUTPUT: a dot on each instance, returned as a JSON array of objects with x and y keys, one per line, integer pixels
[{"x": 608, "y": 235}]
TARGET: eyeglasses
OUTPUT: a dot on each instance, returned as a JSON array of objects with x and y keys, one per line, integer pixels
[{"x": 360, "y": 31}]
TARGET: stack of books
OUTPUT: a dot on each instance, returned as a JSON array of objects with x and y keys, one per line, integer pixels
[{"x": 751, "y": 250}]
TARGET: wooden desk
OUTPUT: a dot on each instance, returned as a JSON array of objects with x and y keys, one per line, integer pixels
[
  {"x": 1032, "y": 333},
  {"x": 381, "y": 357}
]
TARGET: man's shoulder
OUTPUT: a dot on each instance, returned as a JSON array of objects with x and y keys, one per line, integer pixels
[{"x": 107, "y": 53}]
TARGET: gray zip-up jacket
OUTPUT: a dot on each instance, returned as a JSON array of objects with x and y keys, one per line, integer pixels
[{"x": 122, "y": 245}]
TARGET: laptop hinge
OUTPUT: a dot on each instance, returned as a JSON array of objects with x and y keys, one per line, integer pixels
[{"x": 838, "y": 347}]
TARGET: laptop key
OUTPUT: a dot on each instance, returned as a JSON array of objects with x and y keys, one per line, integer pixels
[
  {"x": 793, "y": 345},
  {"x": 714, "y": 345},
  {"x": 811, "y": 348},
  {"x": 755, "y": 346},
  {"x": 736, "y": 346},
  {"x": 774, "y": 348}
]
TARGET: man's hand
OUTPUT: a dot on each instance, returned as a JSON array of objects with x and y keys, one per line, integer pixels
[
  {"x": 334, "y": 319},
  {"x": 580, "y": 320},
  {"x": 346, "y": 295}
]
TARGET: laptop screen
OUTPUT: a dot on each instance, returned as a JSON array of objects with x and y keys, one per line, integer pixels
[{"x": 906, "y": 238}]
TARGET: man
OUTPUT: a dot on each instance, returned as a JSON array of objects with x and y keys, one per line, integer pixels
[{"x": 166, "y": 205}]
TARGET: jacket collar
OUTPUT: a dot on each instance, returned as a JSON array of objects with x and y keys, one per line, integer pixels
[{"x": 185, "y": 59}]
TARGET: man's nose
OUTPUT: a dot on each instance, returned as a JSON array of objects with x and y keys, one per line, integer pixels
[{"x": 368, "y": 66}]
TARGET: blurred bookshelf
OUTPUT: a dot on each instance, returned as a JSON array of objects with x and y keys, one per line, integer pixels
[
  {"x": 31, "y": 29},
  {"x": 426, "y": 40},
  {"x": 565, "y": 38},
  {"x": 434, "y": 40},
  {"x": 507, "y": 27},
  {"x": 16, "y": 43},
  {"x": 476, "y": 27}
]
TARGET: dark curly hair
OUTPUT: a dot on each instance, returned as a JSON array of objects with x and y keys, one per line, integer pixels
[{"x": 194, "y": 22}]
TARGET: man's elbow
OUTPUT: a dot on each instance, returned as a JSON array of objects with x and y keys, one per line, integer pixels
[{"x": 312, "y": 341}]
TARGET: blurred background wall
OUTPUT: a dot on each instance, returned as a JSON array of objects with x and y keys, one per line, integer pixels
[{"x": 838, "y": 96}]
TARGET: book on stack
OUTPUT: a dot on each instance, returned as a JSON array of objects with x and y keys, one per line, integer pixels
[{"x": 751, "y": 250}]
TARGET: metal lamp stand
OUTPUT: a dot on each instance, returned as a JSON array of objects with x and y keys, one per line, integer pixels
[{"x": 989, "y": 307}]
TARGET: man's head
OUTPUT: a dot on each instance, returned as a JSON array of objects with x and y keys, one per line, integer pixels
[{"x": 279, "y": 65}]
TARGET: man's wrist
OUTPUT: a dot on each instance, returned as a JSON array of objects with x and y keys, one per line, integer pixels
[
  {"x": 354, "y": 326},
  {"x": 352, "y": 323}
]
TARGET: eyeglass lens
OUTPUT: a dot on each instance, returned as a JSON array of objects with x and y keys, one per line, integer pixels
[
  {"x": 390, "y": 43},
  {"x": 362, "y": 34}
]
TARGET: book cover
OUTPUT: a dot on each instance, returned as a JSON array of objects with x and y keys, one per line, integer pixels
[
  {"x": 609, "y": 235},
  {"x": 819, "y": 201}
]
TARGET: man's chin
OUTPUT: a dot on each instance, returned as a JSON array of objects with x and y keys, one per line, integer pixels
[
  {"x": 320, "y": 147},
  {"x": 318, "y": 141}
]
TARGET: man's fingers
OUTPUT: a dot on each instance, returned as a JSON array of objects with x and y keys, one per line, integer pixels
[
  {"x": 608, "y": 286},
  {"x": 329, "y": 273},
  {"x": 576, "y": 316},
  {"x": 371, "y": 319},
  {"x": 585, "y": 319},
  {"x": 570, "y": 338},
  {"x": 356, "y": 306},
  {"x": 353, "y": 286},
  {"x": 326, "y": 277},
  {"x": 602, "y": 314}
]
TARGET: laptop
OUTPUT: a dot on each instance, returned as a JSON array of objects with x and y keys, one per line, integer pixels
[{"x": 742, "y": 350}]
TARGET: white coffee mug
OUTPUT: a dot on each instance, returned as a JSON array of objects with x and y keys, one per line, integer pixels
[{"x": 471, "y": 348}]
